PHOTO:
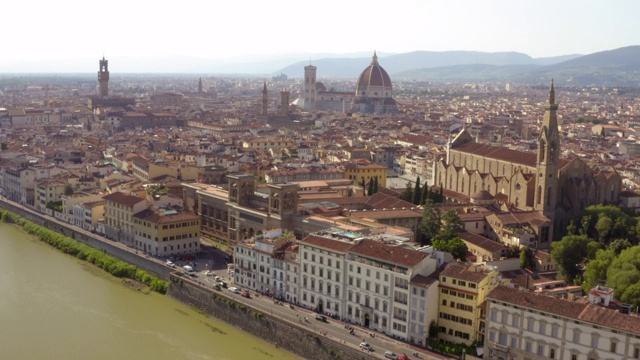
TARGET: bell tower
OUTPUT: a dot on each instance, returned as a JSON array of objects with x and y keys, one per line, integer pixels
[
  {"x": 310, "y": 87},
  {"x": 283, "y": 199},
  {"x": 103, "y": 78},
  {"x": 265, "y": 99},
  {"x": 546, "y": 192}
]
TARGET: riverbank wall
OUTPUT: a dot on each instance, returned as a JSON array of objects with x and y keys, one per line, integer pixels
[
  {"x": 293, "y": 337},
  {"x": 152, "y": 266}
]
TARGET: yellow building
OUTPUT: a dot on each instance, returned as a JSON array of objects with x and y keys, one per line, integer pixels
[
  {"x": 362, "y": 169},
  {"x": 165, "y": 231},
  {"x": 49, "y": 190},
  {"x": 145, "y": 169},
  {"x": 463, "y": 289},
  {"x": 119, "y": 209}
]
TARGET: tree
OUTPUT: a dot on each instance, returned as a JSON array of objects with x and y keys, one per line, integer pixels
[
  {"x": 618, "y": 245},
  {"x": 455, "y": 247},
  {"x": 375, "y": 185},
  {"x": 596, "y": 270},
  {"x": 451, "y": 221},
  {"x": 430, "y": 224},
  {"x": 604, "y": 226},
  {"x": 623, "y": 276},
  {"x": 426, "y": 194},
  {"x": 570, "y": 254},
  {"x": 370, "y": 191},
  {"x": 407, "y": 195},
  {"x": 527, "y": 259},
  {"x": 68, "y": 190},
  {"x": 417, "y": 193}
]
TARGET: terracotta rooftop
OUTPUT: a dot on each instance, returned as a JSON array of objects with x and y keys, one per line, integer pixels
[
  {"x": 393, "y": 254},
  {"x": 593, "y": 314},
  {"x": 463, "y": 272},
  {"x": 122, "y": 198}
]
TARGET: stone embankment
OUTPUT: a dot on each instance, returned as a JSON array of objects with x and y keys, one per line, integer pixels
[{"x": 286, "y": 335}]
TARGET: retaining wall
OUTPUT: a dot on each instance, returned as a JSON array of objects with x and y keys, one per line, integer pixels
[{"x": 286, "y": 335}]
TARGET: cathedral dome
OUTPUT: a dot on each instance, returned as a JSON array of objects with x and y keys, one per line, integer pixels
[{"x": 374, "y": 82}]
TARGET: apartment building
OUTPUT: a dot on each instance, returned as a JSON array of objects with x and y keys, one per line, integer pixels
[
  {"x": 260, "y": 263},
  {"x": 361, "y": 169},
  {"x": 364, "y": 281},
  {"x": 119, "y": 209},
  {"x": 463, "y": 289},
  {"x": 166, "y": 231},
  {"x": 523, "y": 325}
]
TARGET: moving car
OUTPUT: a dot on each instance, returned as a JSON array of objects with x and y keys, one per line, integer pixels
[
  {"x": 234, "y": 290},
  {"x": 366, "y": 346},
  {"x": 170, "y": 264},
  {"x": 246, "y": 294},
  {"x": 391, "y": 355},
  {"x": 321, "y": 318}
]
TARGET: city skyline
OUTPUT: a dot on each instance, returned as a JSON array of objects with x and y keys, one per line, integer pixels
[{"x": 252, "y": 29}]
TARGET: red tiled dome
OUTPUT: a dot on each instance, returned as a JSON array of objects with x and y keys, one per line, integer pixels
[{"x": 374, "y": 81}]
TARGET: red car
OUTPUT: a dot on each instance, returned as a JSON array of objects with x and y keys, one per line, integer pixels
[{"x": 246, "y": 294}]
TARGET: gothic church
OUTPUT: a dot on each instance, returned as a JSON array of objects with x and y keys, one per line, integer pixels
[{"x": 519, "y": 181}]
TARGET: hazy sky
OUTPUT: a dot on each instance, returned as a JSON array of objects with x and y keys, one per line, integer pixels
[{"x": 63, "y": 29}]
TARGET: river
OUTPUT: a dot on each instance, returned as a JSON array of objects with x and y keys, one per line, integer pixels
[{"x": 53, "y": 306}]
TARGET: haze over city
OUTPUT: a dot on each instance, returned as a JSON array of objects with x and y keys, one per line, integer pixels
[{"x": 71, "y": 31}]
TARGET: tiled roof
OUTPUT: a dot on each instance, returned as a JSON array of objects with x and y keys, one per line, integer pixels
[
  {"x": 463, "y": 272},
  {"x": 326, "y": 243},
  {"x": 122, "y": 198},
  {"x": 481, "y": 241},
  {"x": 393, "y": 254},
  {"x": 585, "y": 312}
]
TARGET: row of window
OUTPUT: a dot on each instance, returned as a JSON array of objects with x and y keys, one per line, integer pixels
[
  {"x": 458, "y": 319},
  {"x": 456, "y": 333},
  {"x": 463, "y": 283},
  {"x": 458, "y": 294}
]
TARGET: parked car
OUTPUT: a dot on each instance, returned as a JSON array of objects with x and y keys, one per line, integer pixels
[
  {"x": 208, "y": 273},
  {"x": 246, "y": 294},
  {"x": 217, "y": 278},
  {"x": 391, "y": 355},
  {"x": 234, "y": 290},
  {"x": 321, "y": 318},
  {"x": 222, "y": 283},
  {"x": 170, "y": 264},
  {"x": 217, "y": 287},
  {"x": 366, "y": 346}
]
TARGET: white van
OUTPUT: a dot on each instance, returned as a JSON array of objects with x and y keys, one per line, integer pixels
[{"x": 189, "y": 270}]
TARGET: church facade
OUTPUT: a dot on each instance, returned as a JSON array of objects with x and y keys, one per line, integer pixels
[{"x": 519, "y": 181}]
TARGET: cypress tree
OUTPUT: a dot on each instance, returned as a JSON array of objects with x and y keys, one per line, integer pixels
[
  {"x": 370, "y": 191},
  {"x": 417, "y": 193},
  {"x": 375, "y": 185},
  {"x": 426, "y": 193}
]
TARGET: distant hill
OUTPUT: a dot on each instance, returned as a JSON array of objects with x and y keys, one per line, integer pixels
[
  {"x": 618, "y": 67},
  {"x": 399, "y": 63}
]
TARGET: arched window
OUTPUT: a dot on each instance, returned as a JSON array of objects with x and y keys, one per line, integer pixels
[
  {"x": 541, "y": 151},
  {"x": 451, "y": 182},
  {"x": 539, "y": 195},
  {"x": 462, "y": 188},
  {"x": 549, "y": 196}
]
